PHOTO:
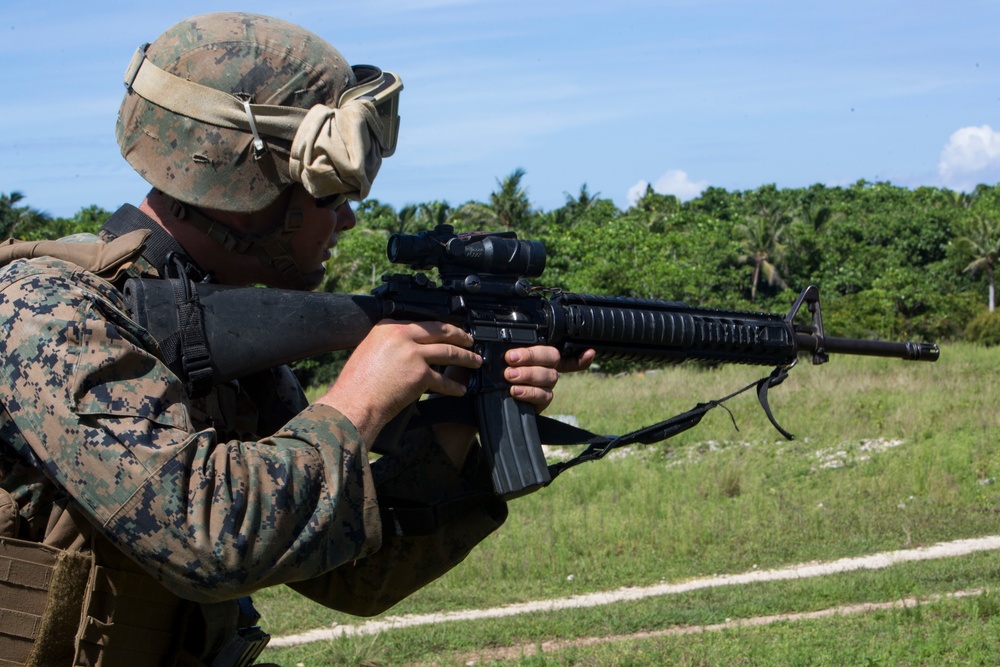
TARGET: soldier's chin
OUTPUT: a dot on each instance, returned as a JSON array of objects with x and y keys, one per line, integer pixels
[{"x": 314, "y": 279}]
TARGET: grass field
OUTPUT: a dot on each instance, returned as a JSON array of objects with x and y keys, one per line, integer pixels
[{"x": 889, "y": 455}]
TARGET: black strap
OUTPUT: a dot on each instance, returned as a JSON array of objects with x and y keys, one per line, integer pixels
[
  {"x": 554, "y": 432},
  {"x": 600, "y": 446},
  {"x": 196, "y": 360},
  {"x": 166, "y": 254},
  {"x": 160, "y": 243},
  {"x": 776, "y": 377}
]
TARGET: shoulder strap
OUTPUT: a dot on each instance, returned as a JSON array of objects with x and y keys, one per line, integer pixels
[{"x": 159, "y": 244}]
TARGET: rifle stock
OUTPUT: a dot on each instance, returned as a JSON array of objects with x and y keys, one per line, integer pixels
[{"x": 249, "y": 329}]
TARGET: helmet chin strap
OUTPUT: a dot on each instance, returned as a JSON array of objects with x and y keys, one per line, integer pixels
[{"x": 273, "y": 249}]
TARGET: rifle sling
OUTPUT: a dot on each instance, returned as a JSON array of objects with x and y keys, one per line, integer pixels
[
  {"x": 186, "y": 352},
  {"x": 195, "y": 359},
  {"x": 555, "y": 432}
]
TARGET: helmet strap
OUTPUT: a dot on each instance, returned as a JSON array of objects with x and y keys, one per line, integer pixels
[{"x": 273, "y": 249}]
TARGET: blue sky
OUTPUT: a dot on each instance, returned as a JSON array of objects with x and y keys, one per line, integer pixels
[{"x": 614, "y": 94}]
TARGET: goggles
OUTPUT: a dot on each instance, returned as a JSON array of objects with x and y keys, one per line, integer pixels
[
  {"x": 382, "y": 89},
  {"x": 332, "y": 202}
]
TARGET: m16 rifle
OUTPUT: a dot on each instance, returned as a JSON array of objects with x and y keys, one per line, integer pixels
[{"x": 211, "y": 333}]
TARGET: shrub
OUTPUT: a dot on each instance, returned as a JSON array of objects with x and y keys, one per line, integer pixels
[{"x": 984, "y": 329}]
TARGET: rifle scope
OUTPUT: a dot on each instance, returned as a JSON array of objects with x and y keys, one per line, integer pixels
[{"x": 497, "y": 254}]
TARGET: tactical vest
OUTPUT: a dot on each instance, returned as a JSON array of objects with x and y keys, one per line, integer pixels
[{"x": 93, "y": 607}]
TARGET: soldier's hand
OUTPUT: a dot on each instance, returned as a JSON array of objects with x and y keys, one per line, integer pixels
[
  {"x": 394, "y": 366},
  {"x": 534, "y": 371}
]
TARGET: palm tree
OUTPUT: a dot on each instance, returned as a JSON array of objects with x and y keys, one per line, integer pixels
[
  {"x": 509, "y": 206},
  {"x": 406, "y": 218},
  {"x": 511, "y": 201},
  {"x": 432, "y": 214},
  {"x": 764, "y": 247},
  {"x": 580, "y": 203},
  {"x": 18, "y": 219},
  {"x": 982, "y": 243}
]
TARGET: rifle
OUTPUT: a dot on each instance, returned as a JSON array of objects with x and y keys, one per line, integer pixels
[{"x": 211, "y": 333}]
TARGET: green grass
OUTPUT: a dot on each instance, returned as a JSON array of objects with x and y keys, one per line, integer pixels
[
  {"x": 889, "y": 455},
  {"x": 453, "y": 643}
]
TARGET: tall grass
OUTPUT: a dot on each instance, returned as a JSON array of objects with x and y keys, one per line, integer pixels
[{"x": 888, "y": 455}]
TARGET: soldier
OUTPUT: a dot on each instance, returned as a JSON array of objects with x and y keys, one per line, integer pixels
[{"x": 138, "y": 511}]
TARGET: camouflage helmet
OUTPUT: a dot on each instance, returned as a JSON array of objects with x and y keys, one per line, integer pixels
[{"x": 168, "y": 130}]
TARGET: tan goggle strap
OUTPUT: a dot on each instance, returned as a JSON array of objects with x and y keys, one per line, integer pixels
[
  {"x": 334, "y": 151},
  {"x": 206, "y": 104}
]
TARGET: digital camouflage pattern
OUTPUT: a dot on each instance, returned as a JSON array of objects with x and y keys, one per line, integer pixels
[
  {"x": 264, "y": 59},
  {"x": 111, "y": 426}
]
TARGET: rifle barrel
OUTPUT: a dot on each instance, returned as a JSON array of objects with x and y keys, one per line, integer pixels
[{"x": 873, "y": 348}]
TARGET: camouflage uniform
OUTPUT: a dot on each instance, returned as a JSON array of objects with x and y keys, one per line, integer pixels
[{"x": 102, "y": 452}]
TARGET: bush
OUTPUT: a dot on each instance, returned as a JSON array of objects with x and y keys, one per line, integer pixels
[{"x": 984, "y": 329}]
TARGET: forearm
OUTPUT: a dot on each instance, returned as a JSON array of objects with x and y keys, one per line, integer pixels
[
  {"x": 450, "y": 511},
  {"x": 224, "y": 519}
]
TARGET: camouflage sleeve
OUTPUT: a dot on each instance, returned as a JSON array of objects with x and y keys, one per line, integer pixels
[
  {"x": 454, "y": 509},
  {"x": 110, "y": 426}
]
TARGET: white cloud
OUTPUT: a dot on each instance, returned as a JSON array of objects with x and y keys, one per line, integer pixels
[
  {"x": 673, "y": 182},
  {"x": 636, "y": 192},
  {"x": 970, "y": 154}
]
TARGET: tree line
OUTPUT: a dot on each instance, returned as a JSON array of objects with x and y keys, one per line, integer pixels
[{"x": 891, "y": 262}]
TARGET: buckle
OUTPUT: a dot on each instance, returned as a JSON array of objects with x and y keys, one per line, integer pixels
[{"x": 132, "y": 70}]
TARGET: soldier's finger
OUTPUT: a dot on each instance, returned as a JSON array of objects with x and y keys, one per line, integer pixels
[
  {"x": 536, "y": 396},
  {"x": 537, "y": 355},
  {"x": 578, "y": 363},
  {"x": 442, "y": 354},
  {"x": 439, "y": 332},
  {"x": 535, "y": 376}
]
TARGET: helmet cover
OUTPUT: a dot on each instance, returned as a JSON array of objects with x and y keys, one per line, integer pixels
[{"x": 257, "y": 58}]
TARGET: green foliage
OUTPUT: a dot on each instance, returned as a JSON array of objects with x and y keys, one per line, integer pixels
[
  {"x": 17, "y": 221},
  {"x": 984, "y": 329},
  {"x": 29, "y": 224}
]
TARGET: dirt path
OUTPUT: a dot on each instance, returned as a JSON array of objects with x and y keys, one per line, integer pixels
[
  {"x": 525, "y": 650},
  {"x": 802, "y": 571}
]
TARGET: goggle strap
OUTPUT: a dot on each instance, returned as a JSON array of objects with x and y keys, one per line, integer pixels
[{"x": 209, "y": 105}]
